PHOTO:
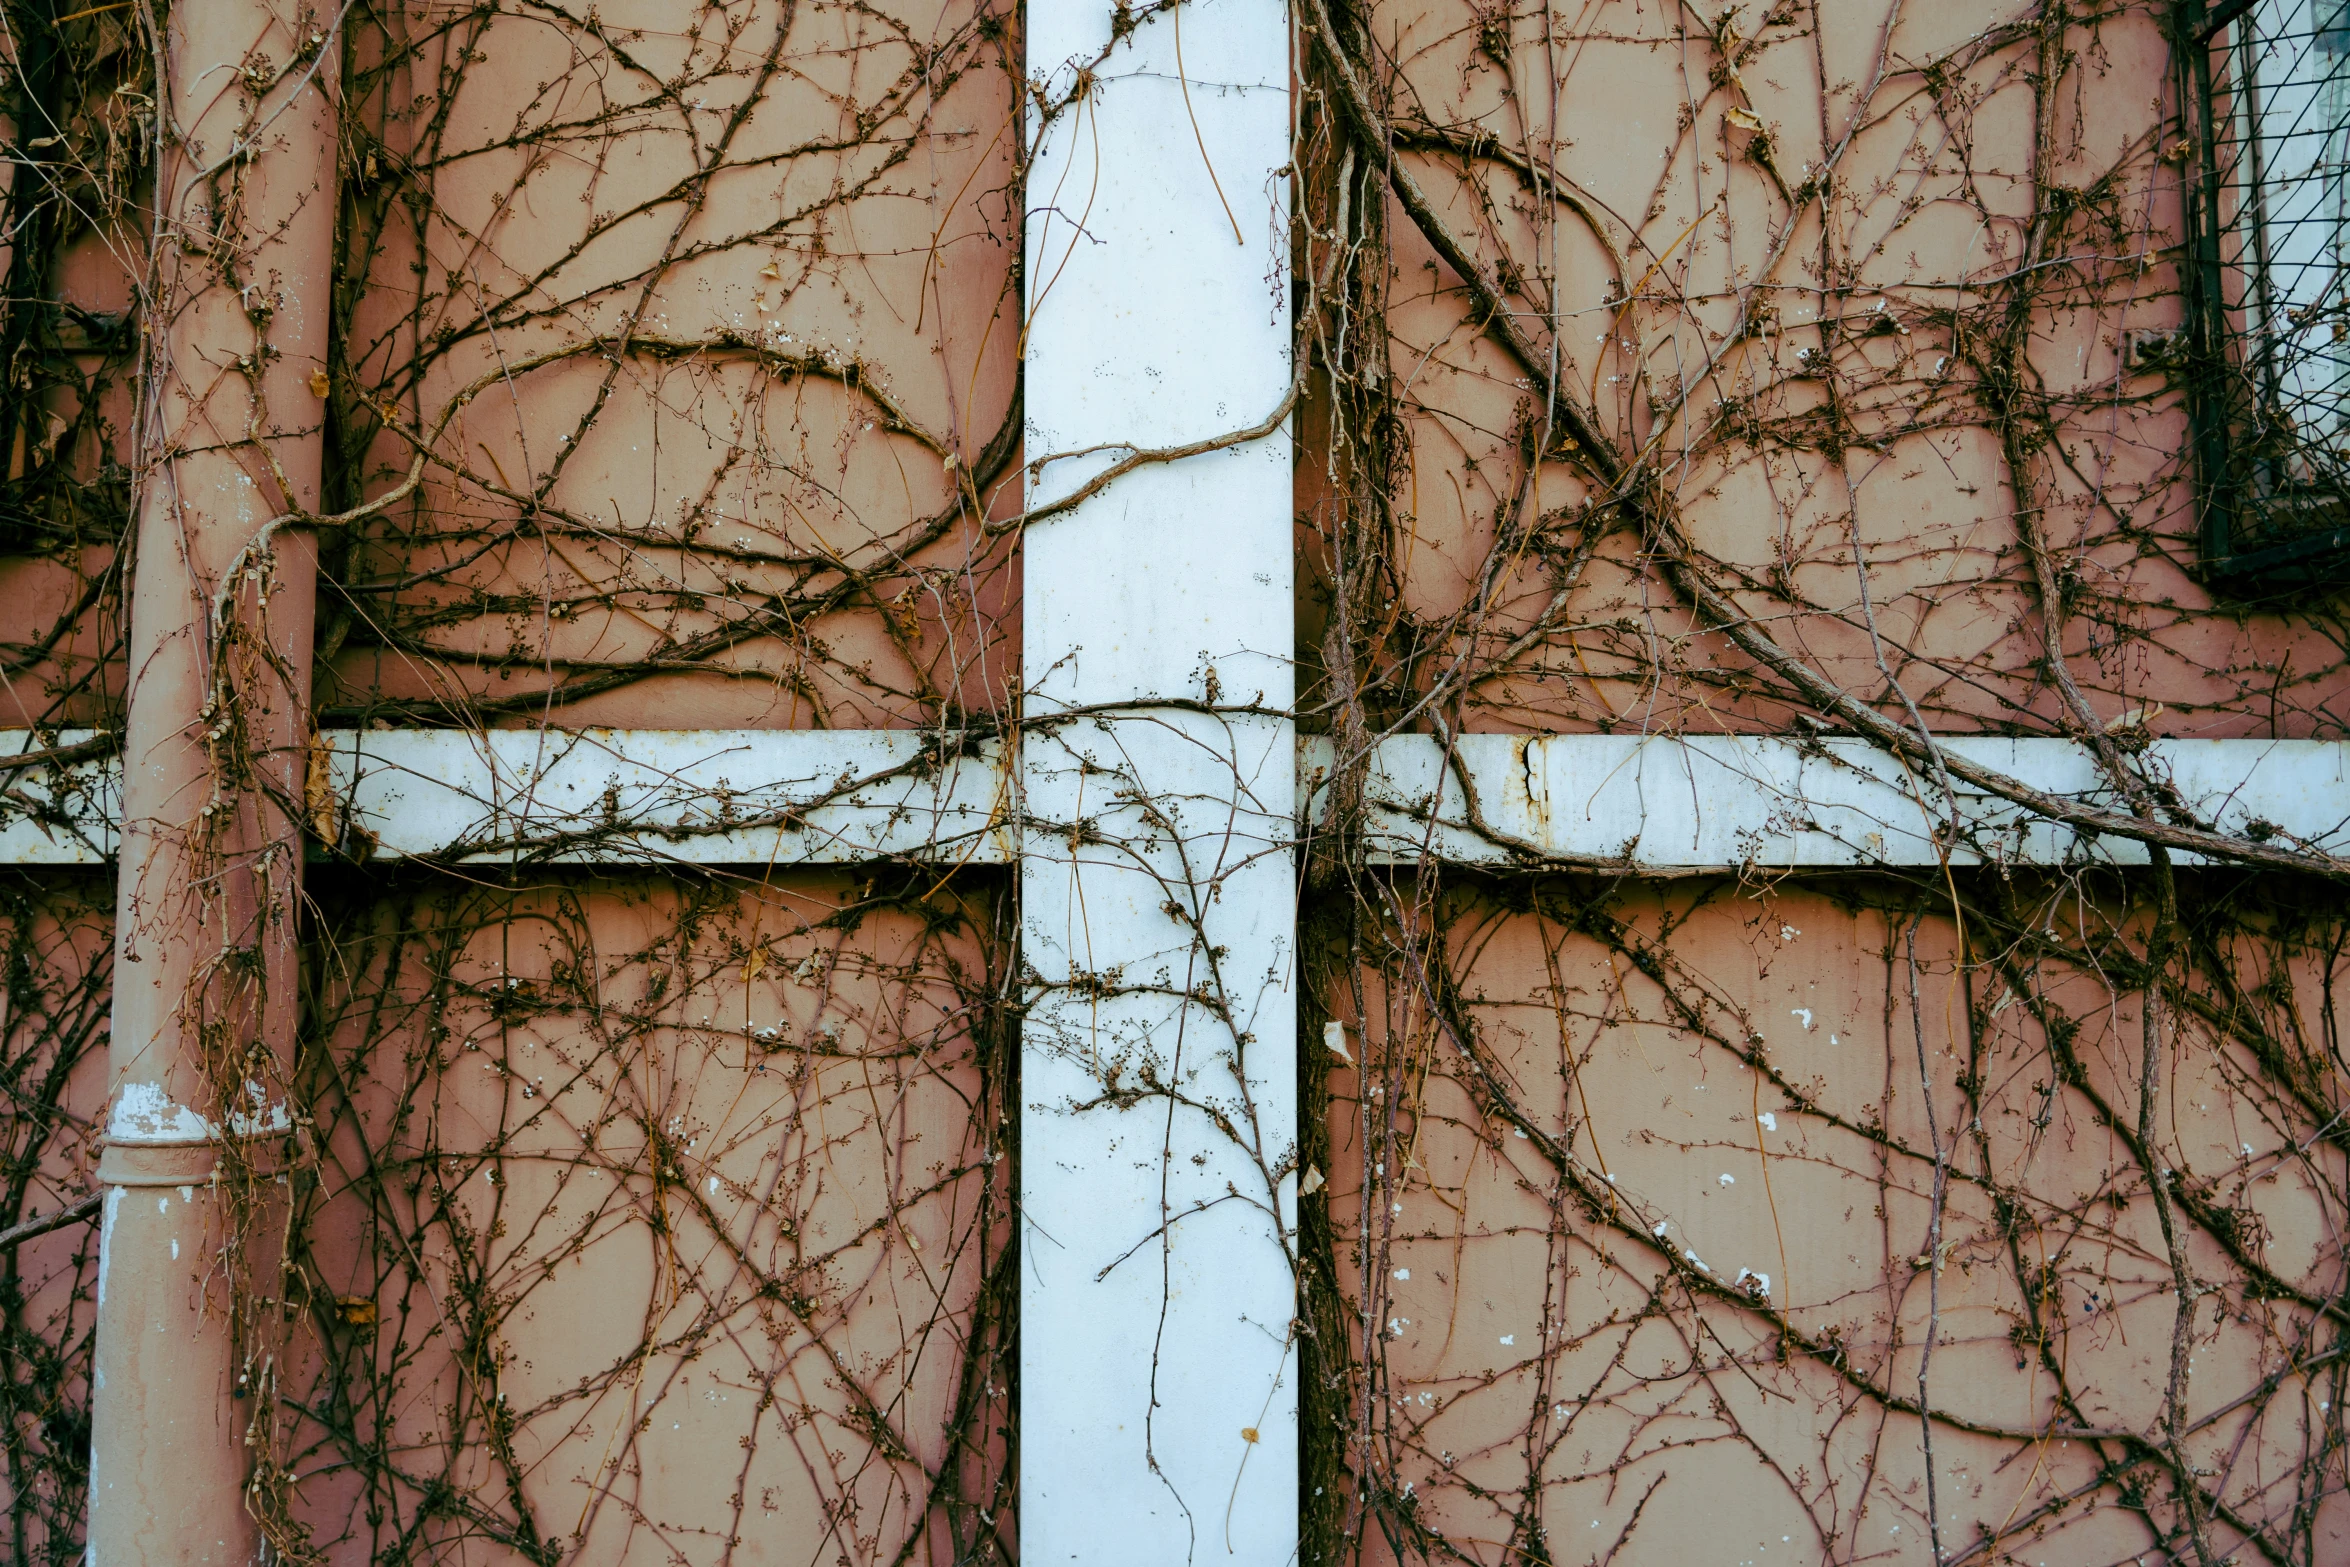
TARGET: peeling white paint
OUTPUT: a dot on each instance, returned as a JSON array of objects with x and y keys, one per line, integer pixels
[
  {"x": 1768, "y": 1121},
  {"x": 144, "y": 1113},
  {"x": 263, "y": 1118},
  {"x": 106, "y": 1222}
]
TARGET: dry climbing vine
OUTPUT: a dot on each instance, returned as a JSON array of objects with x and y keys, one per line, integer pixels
[
  {"x": 1669, "y": 370},
  {"x": 1770, "y": 368},
  {"x": 667, "y": 381}
]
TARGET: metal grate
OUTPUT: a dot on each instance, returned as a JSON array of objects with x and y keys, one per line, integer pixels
[{"x": 2274, "y": 290}]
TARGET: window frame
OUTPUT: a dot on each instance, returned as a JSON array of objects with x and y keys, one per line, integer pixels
[{"x": 2215, "y": 360}]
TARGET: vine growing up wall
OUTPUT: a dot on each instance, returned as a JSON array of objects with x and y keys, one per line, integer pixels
[
  {"x": 1777, "y": 367},
  {"x": 667, "y": 379},
  {"x": 1664, "y": 371}
]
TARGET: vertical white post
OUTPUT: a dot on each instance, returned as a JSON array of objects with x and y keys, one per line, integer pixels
[{"x": 1158, "y": 1380}]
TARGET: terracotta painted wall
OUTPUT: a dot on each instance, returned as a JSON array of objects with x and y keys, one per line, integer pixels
[
  {"x": 664, "y": 1219},
  {"x": 54, "y": 941},
  {"x": 681, "y": 1209},
  {"x": 1718, "y": 369},
  {"x": 747, "y": 1291},
  {"x": 1631, "y": 1182},
  {"x": 658, "y": 1219},
  {"x": 803, "y": 220},
  {"x": 1654, "y": 1241}
]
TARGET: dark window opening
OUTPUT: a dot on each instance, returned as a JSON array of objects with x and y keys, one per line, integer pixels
[{"x": 2268, "y": 289}]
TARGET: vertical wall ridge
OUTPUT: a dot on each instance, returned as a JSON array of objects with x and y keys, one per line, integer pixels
[
  {"x": 1158, "y": 1380},
  {"x": 215, "y": 753}
]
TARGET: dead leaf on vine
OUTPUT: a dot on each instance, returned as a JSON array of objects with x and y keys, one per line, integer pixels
[{"x": 318, "y": 791}]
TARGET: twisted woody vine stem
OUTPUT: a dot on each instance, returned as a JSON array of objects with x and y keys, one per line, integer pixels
[{"x": 1765, "y": 367}]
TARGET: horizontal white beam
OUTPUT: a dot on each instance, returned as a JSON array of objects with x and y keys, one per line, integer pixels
[
  {"x": 58, "y": 816},
  {"x": 1732, "y": 802},
  {"x": 602, "y": 796},
  {"x": 765, "y": 796}
]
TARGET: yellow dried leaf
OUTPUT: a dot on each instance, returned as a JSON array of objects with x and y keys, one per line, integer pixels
[
  {"x": 1312, "y": 1183},
  {"x": 1745, "y": 120},
  {"x": 357, "y": 1310},
  {"x": 318, "y": 791},
  {"x": 319, "y": 383},
  {"x": 1248, "y": 1433}
]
